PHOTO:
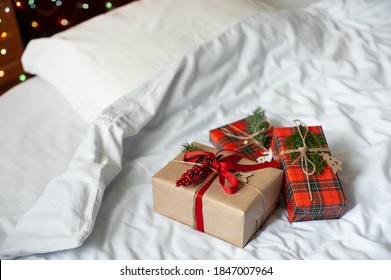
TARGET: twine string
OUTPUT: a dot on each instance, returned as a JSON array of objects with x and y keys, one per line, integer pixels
[
  {"x": 307, "y": 166},
  {"x": 248, "y": 137},
  {"x": 263, "y": 203}
]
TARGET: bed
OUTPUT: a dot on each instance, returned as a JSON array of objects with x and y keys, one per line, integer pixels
[{"x": 81, "y": 140}]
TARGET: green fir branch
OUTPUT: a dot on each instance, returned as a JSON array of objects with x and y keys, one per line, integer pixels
[
  {"x": 319, "y": 162},
  {"x": 312, "y": 140},
  {"x": 257, "y": 117},
  {"x": 190, "y": 147}
]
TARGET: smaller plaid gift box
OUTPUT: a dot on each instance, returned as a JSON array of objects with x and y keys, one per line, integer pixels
[
  {"x": 308, "y": 196},
  {"x": 237, "y": 137}
]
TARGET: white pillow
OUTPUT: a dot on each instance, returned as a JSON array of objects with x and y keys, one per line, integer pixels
[{"x": 98, "y": 61}]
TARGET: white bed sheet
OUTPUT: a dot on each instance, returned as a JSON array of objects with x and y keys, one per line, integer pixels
[
  {"x": 39, "y": 134},
  {"x": 289, "y": 86},
  {"x": 40, "y": 131}
]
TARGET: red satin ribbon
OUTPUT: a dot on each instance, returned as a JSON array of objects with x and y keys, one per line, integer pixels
[{"x": 223, "y": 167}]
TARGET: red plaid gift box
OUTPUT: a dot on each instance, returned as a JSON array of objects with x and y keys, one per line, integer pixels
[
  {"x": 328, "y": 199},
  {"x": 231, "y": 137}
]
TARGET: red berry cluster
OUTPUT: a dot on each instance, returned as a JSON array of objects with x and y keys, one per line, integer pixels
[{"x": 195, "y": 174}]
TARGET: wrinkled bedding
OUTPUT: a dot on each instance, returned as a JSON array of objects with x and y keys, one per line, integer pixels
[{"x": 328, "y": 64}]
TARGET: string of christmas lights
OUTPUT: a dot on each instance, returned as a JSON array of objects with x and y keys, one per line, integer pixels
[
  {"x": 11, "y": 47},
  {"x": 47, "y": 13},
  {"x": 41, "y": 18}
]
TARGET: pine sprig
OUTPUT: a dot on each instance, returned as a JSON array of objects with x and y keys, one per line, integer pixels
[
  {"x": 319, "y": 162},
  {"x": 257, "y": 117},
  {"x": 190, "y": 147},
  {"x": 312, "y": 140}
]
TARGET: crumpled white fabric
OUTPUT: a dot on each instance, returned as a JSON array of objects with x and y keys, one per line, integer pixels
[
  {"x": 328, "y": 64},
  {"x": 64, "y": 215}
]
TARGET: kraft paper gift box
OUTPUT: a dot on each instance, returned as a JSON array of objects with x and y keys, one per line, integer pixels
[
  {"x": 237, "y": 136},
  {"x": 231, "y": 217},
  {"x": 318, "y": 197}
]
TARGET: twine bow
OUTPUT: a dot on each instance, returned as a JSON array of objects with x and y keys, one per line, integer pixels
[
  {"x": 248, "y": 138},
  {"x": 307, "y": 166}
]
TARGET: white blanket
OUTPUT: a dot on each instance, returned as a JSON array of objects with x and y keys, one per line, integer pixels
[{"x": 327, "y": 65}]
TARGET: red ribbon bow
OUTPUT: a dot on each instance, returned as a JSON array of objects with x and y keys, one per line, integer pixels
[{"x": 223, "y": 167}]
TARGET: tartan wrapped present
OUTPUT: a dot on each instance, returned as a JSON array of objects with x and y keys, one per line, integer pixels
[
  {"x": 308, "y": 195},
  {"x": 237, "y": 137},
  {"x": 232, "y": 213}
]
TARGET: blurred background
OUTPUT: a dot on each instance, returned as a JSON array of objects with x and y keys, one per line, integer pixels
[
  {"x": 42, "y": 18},
  {"x": 24, "y": 20}
]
